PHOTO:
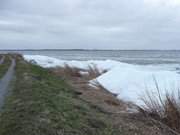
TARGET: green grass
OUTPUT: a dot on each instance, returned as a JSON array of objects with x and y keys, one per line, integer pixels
[
  {"x": 43, "y": 104},
  {"x": 4, "y": 66}
]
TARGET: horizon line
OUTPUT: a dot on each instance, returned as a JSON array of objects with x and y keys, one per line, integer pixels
[{"x": 89, "y": 49}]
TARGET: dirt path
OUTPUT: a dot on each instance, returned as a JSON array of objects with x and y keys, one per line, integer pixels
[
  {"x": 2, "y": 60},
  {"x": 5, "y": 81}
]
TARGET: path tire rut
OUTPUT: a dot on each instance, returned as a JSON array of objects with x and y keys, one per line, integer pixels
[{"x": 5, "y": 82}]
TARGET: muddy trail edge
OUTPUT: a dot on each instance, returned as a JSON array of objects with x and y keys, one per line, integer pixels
[{"x": 5, "y": 81}]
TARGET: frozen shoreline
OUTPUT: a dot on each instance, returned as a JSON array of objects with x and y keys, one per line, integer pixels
[{"x": 129, "y": 82}]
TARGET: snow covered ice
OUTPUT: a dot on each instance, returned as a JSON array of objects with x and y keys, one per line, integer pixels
[{"x": 129, "y": 82}]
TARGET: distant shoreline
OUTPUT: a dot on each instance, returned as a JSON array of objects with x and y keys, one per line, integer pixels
[{"x": 77, "y": 50}]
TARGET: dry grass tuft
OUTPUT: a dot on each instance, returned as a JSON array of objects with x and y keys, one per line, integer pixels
[
  {"x": 99, "y": 86},
  {"x": 72, "y": 71},
  {"x": 112, "y": 102},
  {"x": 172, "y": 113},
  {"x": 165, "y": 110},
  {"x": 67, "y": 71},
  {"x": 96, "y": 84},
  {"x": 93, "y": 72}
]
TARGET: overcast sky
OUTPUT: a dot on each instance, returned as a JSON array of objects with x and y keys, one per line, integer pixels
[{"x": 90, "y": 24}]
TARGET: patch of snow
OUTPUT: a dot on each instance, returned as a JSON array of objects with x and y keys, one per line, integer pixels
[
  {"x": 84, "y": 73},
  {"x": 49, "y": 62},
  {"x": 130, "y": 84}
]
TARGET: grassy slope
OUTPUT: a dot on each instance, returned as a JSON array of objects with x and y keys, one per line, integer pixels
[
  {"x": 4, "y": 66},
  {"x": 43, "y": 104}
]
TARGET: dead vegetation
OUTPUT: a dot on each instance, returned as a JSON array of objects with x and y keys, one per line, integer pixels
[
  {"x": 92, "y": 92},
  {"x": 67, "y": 71},
  {"x": 93, "y": 72},
  {"x": 164, "y": 109},
  {"x": 70, "y": 72}
]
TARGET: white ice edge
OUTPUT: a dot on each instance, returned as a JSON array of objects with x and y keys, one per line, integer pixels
[{"x": 129, "y": 82}]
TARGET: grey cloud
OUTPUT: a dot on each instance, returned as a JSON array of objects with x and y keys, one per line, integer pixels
[{"x": 95, "y": 24}]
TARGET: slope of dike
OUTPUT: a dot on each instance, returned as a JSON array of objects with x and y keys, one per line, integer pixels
[{"x": 43, "y": 103}]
